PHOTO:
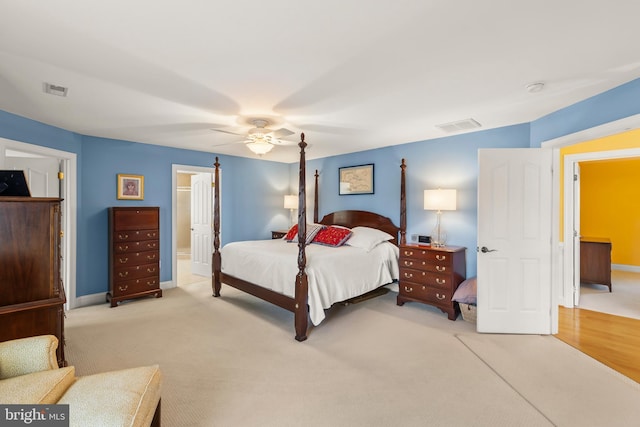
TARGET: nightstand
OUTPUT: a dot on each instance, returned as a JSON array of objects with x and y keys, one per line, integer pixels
[
  {"x": 431, "y": 275},
  {"x": 278, "y": 234}
]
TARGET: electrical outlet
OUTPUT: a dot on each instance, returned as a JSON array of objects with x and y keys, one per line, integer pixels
[{"x": 414, "y": 237}]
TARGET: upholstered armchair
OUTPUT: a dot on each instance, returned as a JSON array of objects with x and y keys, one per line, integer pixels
[{"x": 29, "y": 374}]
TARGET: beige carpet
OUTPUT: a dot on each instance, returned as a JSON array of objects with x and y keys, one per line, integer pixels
[
  {"x": 232, "y": 361},
  {"x": 624, "y": 300}
]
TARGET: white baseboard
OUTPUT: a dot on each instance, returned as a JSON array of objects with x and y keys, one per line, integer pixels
[
  {"x": 93, "y": 299},
  {"x": 101, "y": 298},
  {"x": 623, "y": 267}
]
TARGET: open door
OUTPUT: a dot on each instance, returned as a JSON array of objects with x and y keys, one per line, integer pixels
[
  {"x": 576, "y": 234},
  {"x": 201, "y": 221},
  {"x": 514, "y": 241}
]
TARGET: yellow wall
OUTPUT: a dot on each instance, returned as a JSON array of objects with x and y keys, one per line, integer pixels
[
  {"x": 623, "y": 251},
  {"x": 610, "y": 206}
]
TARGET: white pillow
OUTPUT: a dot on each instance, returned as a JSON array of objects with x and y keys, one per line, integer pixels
[{"x": 367, "y": 238}]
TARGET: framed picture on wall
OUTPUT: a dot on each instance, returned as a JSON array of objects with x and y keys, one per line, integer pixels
[
  {"x": 130, "y": 187},
  {"x": 356, "y": 179}
]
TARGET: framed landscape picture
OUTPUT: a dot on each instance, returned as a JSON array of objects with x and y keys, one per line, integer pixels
[
  {"x": 130, "y": 187},
  {"x": 356, "y": 179}
]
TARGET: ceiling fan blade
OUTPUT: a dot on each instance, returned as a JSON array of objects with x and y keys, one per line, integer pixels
[
  {"x": 278, "y": 141},
  {"x": 282, "y": 132},
  {"x": 227, "y": 131},
  {"x": 228, "y": 143},
  {"x": 339, "y": 130}
]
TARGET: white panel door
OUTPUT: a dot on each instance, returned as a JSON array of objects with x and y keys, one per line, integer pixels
[
  {"x": 514, "y": 241},
  {"x": 41, "y": 173},
  {"x": 201, "y": 220}
]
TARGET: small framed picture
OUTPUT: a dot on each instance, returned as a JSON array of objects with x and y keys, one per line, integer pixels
[
  {"x": 130, "y": 187},
  {"x": 356, "y": 179}
]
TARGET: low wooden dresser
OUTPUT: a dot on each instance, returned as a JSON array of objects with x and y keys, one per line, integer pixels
[
  {"x": 595, "y": 261},
  {"x": 278, "y": 234},
  {"x": 431, "y": 275},
  {"x": 134, "y": 253}
]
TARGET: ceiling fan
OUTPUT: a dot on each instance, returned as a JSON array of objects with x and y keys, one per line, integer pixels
[{"x": 260, "y": 138}]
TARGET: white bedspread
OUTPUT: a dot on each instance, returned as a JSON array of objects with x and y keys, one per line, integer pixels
[{"x": 334, "y": 274}]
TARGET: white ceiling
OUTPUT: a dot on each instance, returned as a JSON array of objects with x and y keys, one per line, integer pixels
[{"x": 351, "y": 74}]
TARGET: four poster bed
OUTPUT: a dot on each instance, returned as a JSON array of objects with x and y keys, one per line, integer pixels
[{"x": 265, "y": 268}]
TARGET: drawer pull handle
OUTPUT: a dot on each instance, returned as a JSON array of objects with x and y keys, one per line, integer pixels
[
  {"x": 408, "y": 275},
  {"x": 408, "y": 263},
  {"x": 151, "y": 245},
  {"x": 151, "y": 270},
  {"x": 151, "y": 256},
  {"x": 441, "y": 297},
  {"x": 441, "y": 257},
  {"x": 123, "y": 288},
  {"x": 151, "y": 234},
  {"x": 408, "y": 289},
  {"x": 123, "y": 274},
  {"x": 408, "y": 253},
  {"x": 123, "y": 236},
  {"x": 123, "y": 248},
  {"x": 123, "y": 260},
  {"x": 440, "y": 268},
  {"x": 440, "y": 281},
  {"x": 151, "y": 283}
]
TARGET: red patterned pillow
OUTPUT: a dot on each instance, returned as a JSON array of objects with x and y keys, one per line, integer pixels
[
  {"x": 332, "y": 236},
  {"x": 292, "y": 233},
  {"x": 312, "y": 230}
]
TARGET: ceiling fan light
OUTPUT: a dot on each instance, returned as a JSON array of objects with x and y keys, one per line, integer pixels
[{"x": 259, "y": 148}]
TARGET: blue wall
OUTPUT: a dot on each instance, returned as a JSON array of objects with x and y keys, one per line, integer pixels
[
  {"x": 252, "y": 190},
  {"x": 450, "y": 162},
  {"x": 262, "y": 186},
  {"x": 109, "y": 157}
]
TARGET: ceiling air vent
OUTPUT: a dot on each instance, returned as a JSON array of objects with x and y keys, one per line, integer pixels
[
  {"x": 55, "y": 89},
  {"x": 460, "y": 125}
]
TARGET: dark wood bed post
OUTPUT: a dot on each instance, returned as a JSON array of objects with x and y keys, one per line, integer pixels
[
  {"x": 301, "y": 291},
  {"x": 403, "y": 205},
  {"x": 216, "y": 259},
  {"x": 315, "y": 199}
]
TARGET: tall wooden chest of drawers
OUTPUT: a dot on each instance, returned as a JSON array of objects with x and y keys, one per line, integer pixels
[
  {"x": 134, "y": 253},
  {"x": 431, "y": 275},
  {"x": 31, "y": 291}
]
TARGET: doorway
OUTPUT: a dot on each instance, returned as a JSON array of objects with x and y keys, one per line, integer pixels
[
  {"x": 608, "y": 202},
  {"x": 572, "y": 215},
  {"x": 191, "y": 218}
]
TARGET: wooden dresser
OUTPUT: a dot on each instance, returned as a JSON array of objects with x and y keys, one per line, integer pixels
[
  {"x": 431, "y": 275},
  {"x": 31, "y": 292},
  {"x": 595, "y": 261},
  {"x": 278, "y": 234},
  {"x": 134, "y": 253}
]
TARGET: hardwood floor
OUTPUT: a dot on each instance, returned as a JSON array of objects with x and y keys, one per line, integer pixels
[{"x": 612, "y": 340}]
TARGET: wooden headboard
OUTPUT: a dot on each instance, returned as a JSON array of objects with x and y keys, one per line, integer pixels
[{"x": 352, "y": 219}]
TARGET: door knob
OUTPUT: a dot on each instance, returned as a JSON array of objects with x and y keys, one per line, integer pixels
[{"x": 484, "y": 250}]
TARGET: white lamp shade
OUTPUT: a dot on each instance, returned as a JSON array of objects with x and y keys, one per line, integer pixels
[
  {"x": 291, "y": 201},
  {"x": 440, "y": 200}
]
